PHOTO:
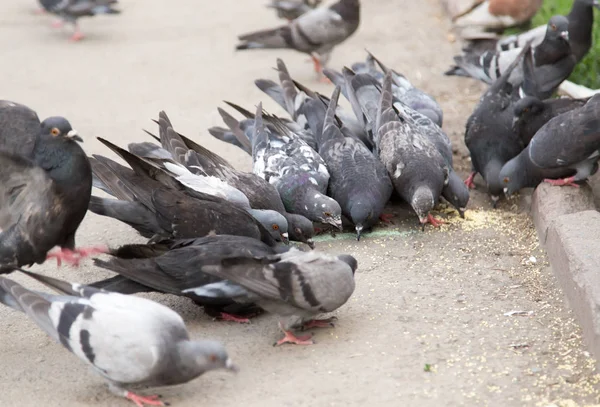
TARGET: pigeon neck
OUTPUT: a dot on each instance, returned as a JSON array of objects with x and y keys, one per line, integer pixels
[
  {"x": 63, "y": 159},
  {"x": 186, "y": 363},
  {"x": 349, "y": 10},
  {"x": 491, "y": 174}
]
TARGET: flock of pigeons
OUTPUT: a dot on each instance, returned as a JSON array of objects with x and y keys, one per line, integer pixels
[{"x": 220, "y": 236}]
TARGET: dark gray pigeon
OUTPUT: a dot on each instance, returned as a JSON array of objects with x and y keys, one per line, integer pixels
[
  {"x": 175, "y": 266},
  {"x": 358, "y": 180},
  {"x": 71, "y": 10},
  {"x": 416, "y": 167},
  {"x": 531, "y": 113},
  {"x": 292, "y": 9},
  {"x": 581, "y": 22},
  {"x": 295, "y": 285},
  {"x": 315, "y": 33},
  {"x": 131, "y": 342},
  {"x": 567, "y": 147},
  {"x": 259, "y": 192},
  {"x": 489, "y": 135},
  {"x": 297, "y": 171},
  {"x": 553, "y": 61},
  {"x": 44, "y": 197}
]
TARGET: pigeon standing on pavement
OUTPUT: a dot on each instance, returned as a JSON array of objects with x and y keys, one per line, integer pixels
[
  {"x": 315, "y": 33},
  {"x": 130, "y": 341},
  {"x": 292, "y": 9},
  {"x": 295, "y": 285},
  {"x": 358, "y": 180},
  {"x": 70, "y": 11}
]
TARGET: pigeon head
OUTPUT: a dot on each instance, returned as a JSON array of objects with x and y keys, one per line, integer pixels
[
  {"x": 206, "y": 355},
  {"x": 422, "y": 202},
  {"x": 491, "y": 174},
  {"x": 361, "y": 214},
  {"x": 457, "y": 193},
  {"x": 273, "y": 221},
  {"x": 587, "y": 3},
  {"x": 526, "y": 108},
  {"x": 325, "y": 210},
  {"x": 59, "y": 127},
  {"x": 558, "y": 28},
  {"x": 349, "y": 260},
  {"x": 300, "y": 229},
  {"x": 512, "y": 175}
]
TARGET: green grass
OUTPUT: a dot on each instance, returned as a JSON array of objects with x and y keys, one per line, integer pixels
[{"x": 587, "y": 72}]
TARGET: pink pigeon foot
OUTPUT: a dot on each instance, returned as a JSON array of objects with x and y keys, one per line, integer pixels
[
  {"x": 233, "y": 318},
  {"x": 73, "y": 257},
  {"x": 140, "y": 401},
  {"x": 386, "y": 217},
  {"x": 469, "y": 181},
  {"x": 319, "y": 323},
  {"x": 58, "y": 24},
  {"x": 289, "y": 337},
  {"x": 562, "y": 182},
  {"x": 77, "y": 36}
]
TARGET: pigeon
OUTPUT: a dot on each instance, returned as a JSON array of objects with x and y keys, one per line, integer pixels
[
  {"x": 498, "y": 14},
  {"x": 581, "y": 22},
  {"x": 19, "y": 128},
  {"x": 531, "y": 113},
  {"x": 297, "y": 171},
  {"x": 44, "y": 197},
  {"x": 489, "y": 135},
  {"x": 159, "y": 207},
  {"x": 316, "y": 32},
  {"x": 130, "y": 341},
  {"x": 569, "y": 142},
  {"x": 553, "y": 59},
  {"x": 259, "y": 192},
  {"x": 416, "y": 167},
  {"x": 358, "y": 180},
  {"x": 296, "y": 285},
  {"x": 70, "y": 11},
  {"x": 174, "y": 266},
  {"x": 292, "y": 9}
]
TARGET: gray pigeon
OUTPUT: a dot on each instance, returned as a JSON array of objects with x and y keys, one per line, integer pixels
[
  {"x": 71, "y": 10},
  {"x": 553, "y": 61},
  {"x": 417, "y": 169},
  {"x": 295, "y": 285},
  {"x": 358, "y": 180},
  {"x": 569, "y": 143},
  {"x": 316, "y": 32},
  {"x": 130, "y": 341},
  {"x": 292, "y": 9},
  {"x": 298, "y": 173},
  {"x": 581, "y": 22}
]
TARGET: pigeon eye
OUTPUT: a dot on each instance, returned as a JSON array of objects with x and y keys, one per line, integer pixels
[
  {"x": 328, "y": 214},
  {"x": 553, "y": 27},
  {"x": 506, "y": 180},
  {"x": 55, "y": 131},
  {"x": 213, "y": 358},
  {"x": 275, "y": 226},
  {"x": 298, "y": 231}
]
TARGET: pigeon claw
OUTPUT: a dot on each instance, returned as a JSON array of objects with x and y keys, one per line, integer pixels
[
  {"x": 73, "y": 257},
  {"x": 289, "y": 337},
  {"x": 435, "y": 222},
  {"x": 570, "y": 181},
  {"x": 223, "y": 316},
  {"x": 141, "y": 401},
  {"x": 77, "y": 36},
  {"x": 58, "y": 24},
  {"x": 469, "y": 181},
  {"x": 319, "y": 323},
  {"x": 386, "y": 217}
]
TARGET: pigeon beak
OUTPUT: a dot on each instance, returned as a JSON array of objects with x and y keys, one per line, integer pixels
[
  {"x": 423, "y": 221},
  {"x": 310, "y": 243},
  {"x": 565, "y": 35},
  {"x": 359, "y": 229},
  {"x": 285, "y": 238},
  {"x": 72, "y": 134},
  {"x": 335, "y": 222},
  {"x": 230, "y": 366},
  {"x": 461, "y": 212},
  {"x": 506, "y": 192},
  {"x": 495, "y": 200}
]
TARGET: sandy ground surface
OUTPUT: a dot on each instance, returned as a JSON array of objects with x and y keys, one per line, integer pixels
[{"x": 438, "y": 299}]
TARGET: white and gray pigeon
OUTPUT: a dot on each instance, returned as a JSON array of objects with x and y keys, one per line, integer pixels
[
  {"x": 71, "y": 10},
  {"x": 130, "y": 341},
  {"x": 295, "y": 285},
  {"x": 553, "y": 61},
  {"x": 567, "y": 147},
  {"x": 297, "y": 171},
  {"x": 416, "y": 167},
  {"x": 292, "y": 9},
  {"x": 358, "y": 180},
  {"x": 315, "y": 33}
]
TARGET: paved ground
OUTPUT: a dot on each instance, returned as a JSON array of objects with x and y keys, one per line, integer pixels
[{"x": 437, "y": 298}]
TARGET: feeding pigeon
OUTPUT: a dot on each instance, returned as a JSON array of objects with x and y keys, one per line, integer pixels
[
  {"x": 358, "y": 180},
  {"x": 130, "y": 341},
  {"x": 581, "y": 22},
  {"x": 292, "y": 9},
  {"x": 553, "y": 60},
  {"x": 43, "y": 196},
  {"x": 489, "y": 135},
  {"x": 71, "y": 10},
  {"x": 173, "y": 267},
  {"x": 298, "y": 173},
  {"x": 259, "y": 192},
  {"x": 568, "y": 143},
  {"x": 531, "y": 113},
  {"x": 296, "y": 285},
  {"x": 159, "y": 207},
  {"x": 498, "y": 14},
  {"x": 316, "y": 32}
]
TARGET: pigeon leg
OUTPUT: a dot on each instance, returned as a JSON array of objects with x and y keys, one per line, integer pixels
[
  {"x": 434, "y": 222},
  {"x": 319, "y": 323},
  {"x": 64, "y": 254},
  {"x": 317, "y": 64},
  {"x": 469, "y": 181},
  {"x": 289, "y": 337},
  {"x": 386, "y": 217},
  {"x": 77, "y": 35},
  {"x": 141, "y": 400},
  {"x": 570, "y": 181},
  {"x": 233, "y": 318},
  {"x": 84, "y": 252}
]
